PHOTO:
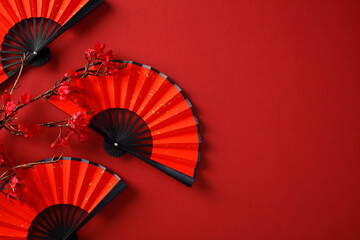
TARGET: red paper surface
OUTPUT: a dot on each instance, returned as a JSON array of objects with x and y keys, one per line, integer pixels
[{"x": 275, "y": 85}]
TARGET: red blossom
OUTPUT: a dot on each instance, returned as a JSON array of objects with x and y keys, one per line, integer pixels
[
  {"x": 83, "y": 135},
  {"x": 72, "y": 75},
  {"x": 81, "y": 102},
  {"x": 5, "y": 160},
  {"x": 99, "y": 49},
  {"x": 6, "y": 97},
  {"x": 79, "y": 119},
  {"x": 14, "y": 181},
  {"x": 25, "y": 98},
  {"x": 9, "y": 107},
  {"x": 16, "y": 188},
  {"x": 29, "y": 130},
  {"x": 61, "y": 141},
  {"x": 64, "y": 90}
]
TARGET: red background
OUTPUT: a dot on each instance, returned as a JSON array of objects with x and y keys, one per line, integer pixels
[{"x": 275, "y": 85}]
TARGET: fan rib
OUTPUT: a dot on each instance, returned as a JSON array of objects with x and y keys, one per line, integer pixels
[
  {"x": 35, "y": 32},
  {"x": 103, "y": 127},
  {"x": 37, "y": 236},
  {"x": 73, "y": 217},
  {"x": 14, "y": 46},
  {"x": 42, "y": 226},
  {"x": 44, "y": 34},
  {"x": 40, "y": 29},
  {"x": 16, "y": 41},
  {"x": 67, "y": 216},
  {"x": 20, "y": 37},
  {"x": 117, "y": 120},
  {"x": 12, "y": 64},
  {"x": 61, "y": 215},
  {"x": 122, "y": 120},
  {"x": 133, "y": 138},
  {"x": 140, "y": 145},
  {"x": 29, "y": 31},
  {"x": 28, "y": 40},
  {"x": 133, "y": 124},
  {"x": 111, "y": 120},
  {"x": 52, "y": 32},
  {"x": 11, "y": 52},
  {"x": 141, "y": 139},
  {"x": 58, "y": 223},
  {"x": 78, "y": 218},
  {"x": 53, "y": 223},
  {"x": 40, "y": 231},
  {"x": 128, "y": 121},
  {"x": 106, "y": 124},
  {"x": 10, "y": 58},
  {"x": 138, "y": 128}
]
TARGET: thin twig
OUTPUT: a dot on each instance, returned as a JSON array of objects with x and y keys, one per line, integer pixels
[{"x": 27, "y": 165}]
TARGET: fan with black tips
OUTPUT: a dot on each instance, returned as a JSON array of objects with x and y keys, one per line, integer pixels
[
  {"x": 27, "y": 27},
  {"x": 60, "y": 199},
  {"x": 144, "y": 113}
]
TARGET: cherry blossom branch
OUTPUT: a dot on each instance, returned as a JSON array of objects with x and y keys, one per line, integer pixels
[
  {"x": 3, "y": 176},
  {"x": 13, "y": 177},
  {"x": 99, "y": 63}
]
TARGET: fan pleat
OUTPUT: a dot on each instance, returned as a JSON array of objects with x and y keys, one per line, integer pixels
[
  {"x": 166, "y": 104},
  {"x": 182, "y": 119},
  {"x": 52, "y": 180},
  {"x": 55, "y": 7},
  {"x": 33, "y": 8},
  {"x": 18, "y": 7},
  {"x": 93, "y": 181},
  {"x": 9, "y": 10},
  {"x": 6, "y": 19},
  {"x": 104, "y": 91},
  {"x": 13, "y": 219},
  {"x": 58, "y": 174},
  {"x": 66, "y": 181},
  {"x": 44, "y": 6},
  {"x": 69, "y": 9},
  {"x": 32, "y": 184},
  {"x": 95, "y": 187},
  {"x": 80, "y": 188},
  {"x": 46, "y": 186}
]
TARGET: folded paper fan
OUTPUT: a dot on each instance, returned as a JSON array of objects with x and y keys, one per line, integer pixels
[
  {"x": 28, "y": 26},
  {"x": 60, "y": 199},
  {"x": 144, "y": 113}
]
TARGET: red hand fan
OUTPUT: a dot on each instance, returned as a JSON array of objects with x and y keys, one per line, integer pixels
[
  {"x": 144, "y": 113},
  {"x": 60, "y": 199},
  {"x": 28, "y": 26}
]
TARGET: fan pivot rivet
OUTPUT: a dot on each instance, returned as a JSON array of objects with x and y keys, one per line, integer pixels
[
  {"x": 116, "y": 144},
  {"x": 35, "y": 52}
]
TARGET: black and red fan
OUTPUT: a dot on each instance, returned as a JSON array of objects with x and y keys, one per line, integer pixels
[
  {"x": 60, "y": 198},
  {"x": 144, "y": 113},
  {"x": 28, "y": 26}
]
